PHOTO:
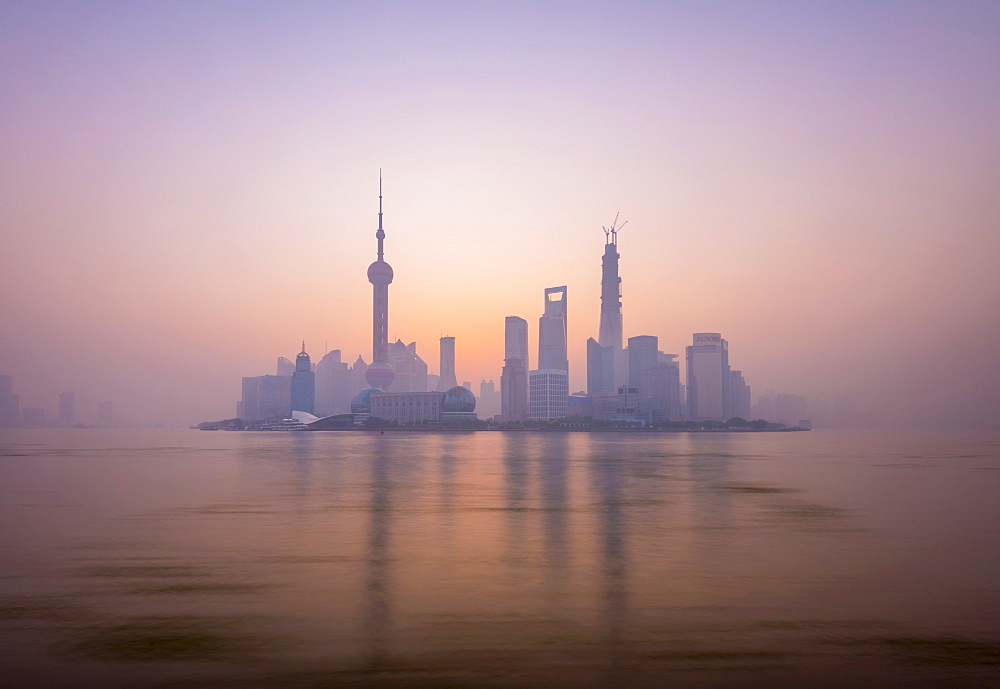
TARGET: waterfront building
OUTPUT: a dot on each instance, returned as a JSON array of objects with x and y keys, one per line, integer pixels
[
  {"x": 409, "y": 369},
  {"x": 67, "y": 409},
  {"x": 739, "y": 396},
  {"x": 405, "y": 407},
  {"x": 379, "y": 373},
  {"x": 458, "y": 406},
  {"x": 303, "y": 391},
  {"x": 514, "y": 390},
  {"x": 662, "y": 382},
  {"x": 446, "y": 364},
  {"x": 333, "y": 385},
  {"x": 548, "y": 390},
  {"x": 488, "y": 404},
  {"x": 643, "y": 354},
  {"x": 708, "y": 377},
  {"x": 265, "y": 397},
  {"x": 514, "y": 378}
]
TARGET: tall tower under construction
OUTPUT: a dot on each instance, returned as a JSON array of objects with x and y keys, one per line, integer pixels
[
  {"x": 606, "y": 363},
  {"x": 379, "y": 373}
]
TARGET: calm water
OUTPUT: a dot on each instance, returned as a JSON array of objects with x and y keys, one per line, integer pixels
[{"x": 198, "y": 559}]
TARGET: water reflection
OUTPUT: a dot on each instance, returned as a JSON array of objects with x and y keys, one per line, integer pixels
[
  {"x": 607, "y": 478},
  {"x": 377, "y": 615},
  {"x": 515, "y": 449},
  {"x": 553, "y": 457}
]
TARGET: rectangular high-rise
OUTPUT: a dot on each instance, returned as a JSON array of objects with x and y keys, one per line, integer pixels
[
  {"x": 514, "y": 378},
  {"x": 548, "y": 385},
  {"x": 708, "y": 377},
  {"x": 552, "y": 331}
]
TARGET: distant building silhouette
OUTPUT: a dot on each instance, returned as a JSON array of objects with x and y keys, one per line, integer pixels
[
  {"x": 514, "y": 390},
  {"x": 333, "y": 385},
  {"x": 447, "y": 379},
  {"x": 514, "y": 377},
  {"x": 410, "y": 370},
  {"x": 708, "y": 377},
  {"x": 303, "y": 392},
  {"x": 740, "y": 396},
  {"x": 285, "y": 367},
  {"x": 266, "y": 397}
]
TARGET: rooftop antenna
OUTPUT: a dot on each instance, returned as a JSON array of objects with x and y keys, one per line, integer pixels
[
  {"x": 611, "y": 233},
  {"x": 380, "y": 234}
]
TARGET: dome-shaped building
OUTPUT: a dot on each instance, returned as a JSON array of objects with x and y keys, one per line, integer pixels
[
  {"x": 458, "y": 399},
  {"x": 362, "y": 402},
  {"x": 458, "y": 405}
]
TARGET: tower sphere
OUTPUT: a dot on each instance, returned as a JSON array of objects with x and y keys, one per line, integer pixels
[
  {"x": 379, "y": 374},
  {"x": 379, "y": 272},
  {"x": 458, "y": 399}
]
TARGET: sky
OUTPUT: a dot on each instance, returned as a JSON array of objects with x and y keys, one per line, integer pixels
[{"x": 189, "y": 190}]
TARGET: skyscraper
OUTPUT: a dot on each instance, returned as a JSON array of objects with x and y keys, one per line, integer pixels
[
  {"x": 514, "y": 378},
  {"x": 552, "y": 331},
  {"x": 303, "y": 383},
  {"x": 333, "y": 385},
  {"x": 515, "y": 339},
  {"x": 708, "y": 377},
  {"x": 643, "y": 354},
  {"x": 548, "y": 385},
  {"x": 409, "y": 369},
  {"x": 379, "y": 373},
  {"x": 447, "y": 365},
  {"x": 606, "y": 362}
]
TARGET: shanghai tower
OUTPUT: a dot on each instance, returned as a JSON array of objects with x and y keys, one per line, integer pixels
[
  {"x": 605, "y": 358},
  {"x": 379, "y": 373}
]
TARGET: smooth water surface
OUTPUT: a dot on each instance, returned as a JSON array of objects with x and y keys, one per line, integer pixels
[{"x": 234, "y": 559}]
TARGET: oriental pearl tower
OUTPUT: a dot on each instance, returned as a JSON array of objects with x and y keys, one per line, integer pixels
[{"x": 379, "y": 373}]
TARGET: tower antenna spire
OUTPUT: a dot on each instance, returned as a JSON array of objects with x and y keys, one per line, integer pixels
[
  {"x": 611, "y": 233},
  {"x": 380, "y": 234}
]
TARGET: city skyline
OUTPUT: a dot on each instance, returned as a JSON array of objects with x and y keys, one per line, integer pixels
[{"x": 815, "y": 183}]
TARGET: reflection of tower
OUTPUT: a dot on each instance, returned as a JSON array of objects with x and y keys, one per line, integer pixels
[
  {"x": 447, "y": 379},
  {"x": 303, "y": 383},
  {"x": 379, "y": 373}
]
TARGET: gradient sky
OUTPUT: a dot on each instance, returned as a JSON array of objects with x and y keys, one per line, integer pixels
[{"x": 188, "y": 190}]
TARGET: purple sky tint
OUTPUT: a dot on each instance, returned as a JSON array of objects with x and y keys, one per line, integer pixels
[{"x": 187, "y": 190}]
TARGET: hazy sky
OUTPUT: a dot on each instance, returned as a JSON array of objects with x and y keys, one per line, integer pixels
[{"x": 189, "y": 189}]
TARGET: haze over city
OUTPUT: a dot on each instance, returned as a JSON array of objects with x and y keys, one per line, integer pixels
[{"x": 188, "y": 191}]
